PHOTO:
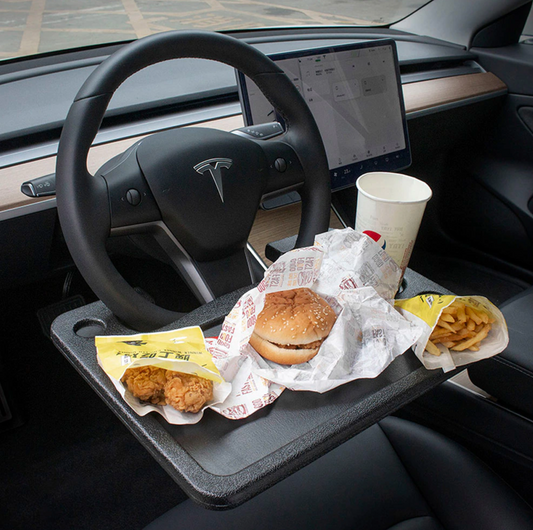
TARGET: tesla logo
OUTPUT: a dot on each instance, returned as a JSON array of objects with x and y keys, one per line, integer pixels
[{"x": 214, "y": 166}]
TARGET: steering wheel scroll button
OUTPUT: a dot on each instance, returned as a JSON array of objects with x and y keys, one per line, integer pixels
[
  {"x": 281, "y": 165},
  {"x": 133, "y": 197},
  {"x": 285, "y": 170}
]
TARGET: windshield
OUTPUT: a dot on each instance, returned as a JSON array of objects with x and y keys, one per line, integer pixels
[{"x": 31, "y": 27}]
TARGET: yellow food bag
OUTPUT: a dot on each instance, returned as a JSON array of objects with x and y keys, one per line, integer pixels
[
  {"x": 445, "y": 316},
  {"x": 182, "y": 350}
]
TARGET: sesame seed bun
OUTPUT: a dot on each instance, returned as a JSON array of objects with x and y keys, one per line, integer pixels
[{"x": 292, "y": 326}]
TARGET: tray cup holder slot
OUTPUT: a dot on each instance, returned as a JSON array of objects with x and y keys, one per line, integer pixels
[{"x": 89, "y": 328}]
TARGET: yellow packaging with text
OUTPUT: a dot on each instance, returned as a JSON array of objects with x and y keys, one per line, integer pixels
[{"x": 183, "y": 348}]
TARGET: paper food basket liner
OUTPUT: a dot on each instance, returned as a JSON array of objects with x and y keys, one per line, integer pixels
[
  {"x": 359, "y": 281},
  {"x": 183, "y": 350},
  {"x": 425, "y": 310}
]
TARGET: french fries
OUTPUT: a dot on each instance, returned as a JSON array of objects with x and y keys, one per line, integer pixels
[{"x": 459, "y": 328}]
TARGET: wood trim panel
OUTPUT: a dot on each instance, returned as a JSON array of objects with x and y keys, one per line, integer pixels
[
  {"x": 11, "y": 178},
  {"x": 418, "y": 96},
  {"x": 436, "y": 92}
]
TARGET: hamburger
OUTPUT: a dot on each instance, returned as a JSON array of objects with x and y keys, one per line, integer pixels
[{"x": 292, "y": 326}]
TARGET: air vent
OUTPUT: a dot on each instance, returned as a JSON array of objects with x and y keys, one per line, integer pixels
[{"x": 413, "y": 73}]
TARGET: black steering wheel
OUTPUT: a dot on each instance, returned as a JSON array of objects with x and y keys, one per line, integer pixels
[{"x": 196, "y": 191}]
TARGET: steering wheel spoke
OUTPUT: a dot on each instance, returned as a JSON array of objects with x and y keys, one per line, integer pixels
[
  {"x": 208, "y": 279},
  {"x": 285, "y": 171},
  {"x": 131, "y": 201}
]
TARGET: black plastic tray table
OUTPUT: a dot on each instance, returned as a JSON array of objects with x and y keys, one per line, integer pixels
[{"x": 221, "y": 463}]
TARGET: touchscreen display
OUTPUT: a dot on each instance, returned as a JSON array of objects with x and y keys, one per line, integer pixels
[{"x": 354, "y": 93}]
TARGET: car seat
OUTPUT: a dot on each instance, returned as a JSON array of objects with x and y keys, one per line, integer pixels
[
  {"x": 509, "y": 376},
  {"x": 395, "y": 475}
]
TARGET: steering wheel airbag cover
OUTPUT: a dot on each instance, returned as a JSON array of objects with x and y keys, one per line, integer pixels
[{"x": 207, "y": 184}]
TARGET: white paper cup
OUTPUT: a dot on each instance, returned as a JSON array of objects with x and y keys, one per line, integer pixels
[{"x": 390, "y": 207}]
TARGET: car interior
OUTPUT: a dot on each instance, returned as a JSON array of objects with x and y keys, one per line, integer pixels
[{"x": 105, "y": 230}]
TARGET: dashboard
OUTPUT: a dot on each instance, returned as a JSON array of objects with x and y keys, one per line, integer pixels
[{"x": 435, "y": 78}]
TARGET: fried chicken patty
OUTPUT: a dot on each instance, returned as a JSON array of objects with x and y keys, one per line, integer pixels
[
  {"x": 146, "y": 383},
  {"x": 184, "y": 392}
]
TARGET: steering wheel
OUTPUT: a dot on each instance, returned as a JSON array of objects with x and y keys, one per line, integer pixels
[{"x": 196, "y": 191}]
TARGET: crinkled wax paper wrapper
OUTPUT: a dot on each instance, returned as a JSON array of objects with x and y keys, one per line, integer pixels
[
  {"x": 425, "y": 310},
  {"x": 359, "y": 280},
  {"x": 182, "y": 350}
]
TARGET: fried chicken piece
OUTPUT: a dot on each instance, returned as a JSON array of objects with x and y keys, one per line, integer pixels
[
  {"x": 146, "y": 383},
  {"x": 186, "y": 392}
]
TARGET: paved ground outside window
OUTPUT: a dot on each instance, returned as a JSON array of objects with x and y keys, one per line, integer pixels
[{"x": 35, "y": 26}]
